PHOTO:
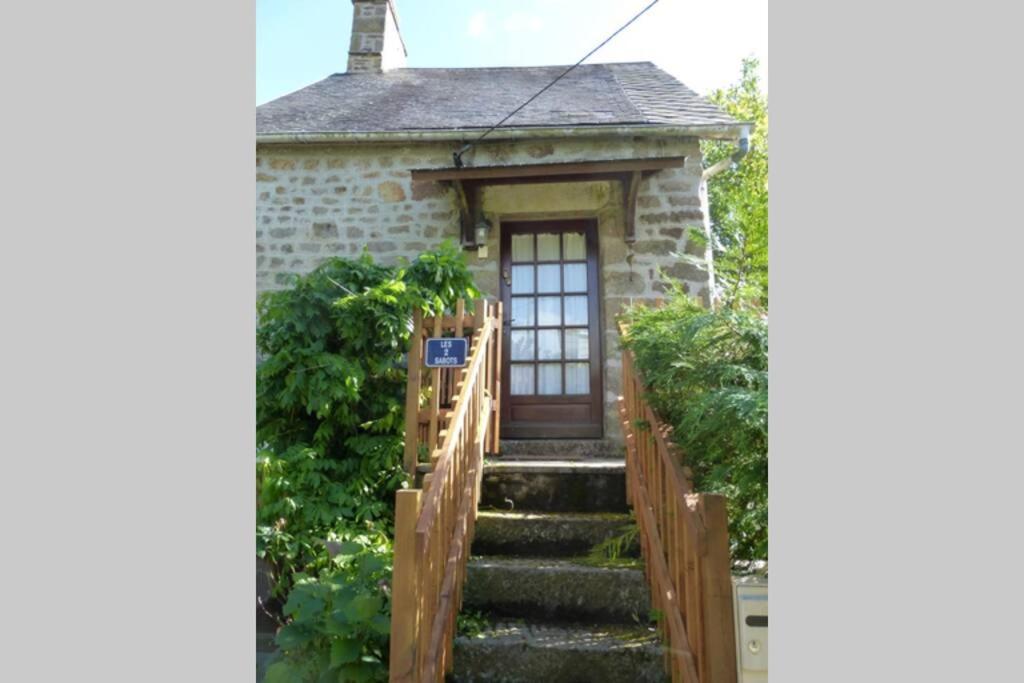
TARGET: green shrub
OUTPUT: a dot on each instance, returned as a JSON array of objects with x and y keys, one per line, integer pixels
[
  {"x": 707, "y": 375},
  {"x": 330, "y": 403},
  {"x": 339, "y": 624}
]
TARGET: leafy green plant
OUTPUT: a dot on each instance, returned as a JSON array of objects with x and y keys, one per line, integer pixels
[
  {"x": 615, "y": 549},
  {"x": 339, "y": 627},
  {"x": 738, "y": 198},
  {"x": 471, "y": 623},
  {"x": 707, "y": 376},
  {"x": 330, "y": 427}
]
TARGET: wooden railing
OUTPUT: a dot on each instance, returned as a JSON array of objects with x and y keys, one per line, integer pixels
[
  {"x": 684, "y": 539},
  {"x": 434, "y": 525}
]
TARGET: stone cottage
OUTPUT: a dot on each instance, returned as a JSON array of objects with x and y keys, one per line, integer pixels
[{"x": 568, "y": 211}]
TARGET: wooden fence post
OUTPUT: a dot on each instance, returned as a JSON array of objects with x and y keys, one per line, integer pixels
[
  {"x": 435, "y": 395},
  {"x": 412, "y": 396},
  {"x": 496, "y": 382},
  {"x": 404, "y": 600},
  {"x": 718, "y": 659}
]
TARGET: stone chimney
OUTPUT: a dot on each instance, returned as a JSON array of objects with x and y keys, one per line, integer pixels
[{"x": 376, "y": 41}]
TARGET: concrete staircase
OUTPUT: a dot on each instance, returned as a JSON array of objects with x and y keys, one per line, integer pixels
[{"x": 552, "y": 615}]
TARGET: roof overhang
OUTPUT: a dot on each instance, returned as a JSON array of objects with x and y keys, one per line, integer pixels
[
  {"x": 467, "y": 182},
  {"x": 708, "y": 132}
]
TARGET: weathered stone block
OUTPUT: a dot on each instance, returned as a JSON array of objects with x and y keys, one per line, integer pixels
[
  {"x": 683, "y": 200},
  {"x": 282, "y": 164},
  {"x": 325, "y": 230},
  {"x": 648, "y": 202},
  {"x": 663, "y": 247},
  {"x": 681, "y": 270},
  {"x": 624, "y": 283},
  {"x": 390, "y": 191},
  {"x": 427, "y": 189}
]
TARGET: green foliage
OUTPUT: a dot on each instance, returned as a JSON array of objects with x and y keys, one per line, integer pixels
[
  {"x": 707, "y": 376},
  {"x": 339, "y": 624},
  {"x": 613, "y": 550},
  {"x": 738, "y": 198},
  {"x": 471, "y": 623},
  {"x": 330, "y": 406}
]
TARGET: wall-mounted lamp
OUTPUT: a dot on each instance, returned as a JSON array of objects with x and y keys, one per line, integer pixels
[{"x": 483, "y": 228}]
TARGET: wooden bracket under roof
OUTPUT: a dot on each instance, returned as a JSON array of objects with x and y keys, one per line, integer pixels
[{"x": 468, "y": 181}]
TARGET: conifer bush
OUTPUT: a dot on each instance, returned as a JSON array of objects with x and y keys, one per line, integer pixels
[{"x": 707, "y": 376}]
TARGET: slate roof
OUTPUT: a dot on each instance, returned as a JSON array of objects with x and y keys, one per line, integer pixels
[{"x": 468, "y": 99}]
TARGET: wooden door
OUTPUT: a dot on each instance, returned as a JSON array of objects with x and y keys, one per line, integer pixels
[{"x": 551, "y": 375}]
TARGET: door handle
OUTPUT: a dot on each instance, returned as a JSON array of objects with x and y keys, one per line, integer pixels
[{"x": 505, "y": 275}]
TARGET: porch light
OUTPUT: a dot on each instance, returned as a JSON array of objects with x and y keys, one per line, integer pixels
[{"x": 483, "y": 227}]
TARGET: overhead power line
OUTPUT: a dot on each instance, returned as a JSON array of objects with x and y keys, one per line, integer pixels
[{"x": 457, "y": 156}]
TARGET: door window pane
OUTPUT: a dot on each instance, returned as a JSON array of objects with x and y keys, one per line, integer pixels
[
  {"x": 522, "y": 311},
  {"x": 575, "y": 246},
  {"x": 547, "y": 278},
  {"x": 577, "y": 378},
  {"x": 549, "y": 378},
  {"x": 575, "y": 310},
  {"x": 575, "y": 277},
  {"x": 522, "y": 380},
  {"x": 522, "y": 344},
  {"x": 549, "y": 310},
  {"x": 549, "y": 344},
  {"x": 522, "y": 279},
  {"x": 577, "y": 345},
  {"x": 522, "y": 248},
  {"x": 547, "y": 246}
]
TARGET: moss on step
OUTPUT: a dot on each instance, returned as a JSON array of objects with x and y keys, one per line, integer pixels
[
  {"x": 556, "y": 588},
  {"x": 521, "y": 652},
  {"x": 557, "y": 534}
]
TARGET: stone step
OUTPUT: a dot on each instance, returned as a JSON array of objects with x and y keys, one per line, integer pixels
[
  {"x": 595, "y": 485},
  {"x": 562, "y": 448},
  {"x": 556, "y": 589},
  {"x": 546, "y": 534},
  {"x": 531, "y": 652}
]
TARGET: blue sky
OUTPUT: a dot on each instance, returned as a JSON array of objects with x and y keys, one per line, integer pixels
[{"x": 700, "y": 43}]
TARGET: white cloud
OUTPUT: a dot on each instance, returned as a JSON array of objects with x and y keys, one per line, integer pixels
[{"x": 477, "y": 25}]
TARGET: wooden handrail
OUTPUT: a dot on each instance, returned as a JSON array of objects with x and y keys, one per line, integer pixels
[
  {"x": 684, "y": 540},
  {"x": 434, "y": 525}
]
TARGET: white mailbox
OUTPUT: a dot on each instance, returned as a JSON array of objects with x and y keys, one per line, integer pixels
[{"x": 750, "y": 597}]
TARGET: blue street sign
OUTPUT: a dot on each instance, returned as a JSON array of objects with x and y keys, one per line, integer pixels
[{"x": 446, "y": 352}]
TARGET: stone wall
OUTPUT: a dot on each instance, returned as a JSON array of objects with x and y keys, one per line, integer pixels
[{"x": 315, "y": 202}]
